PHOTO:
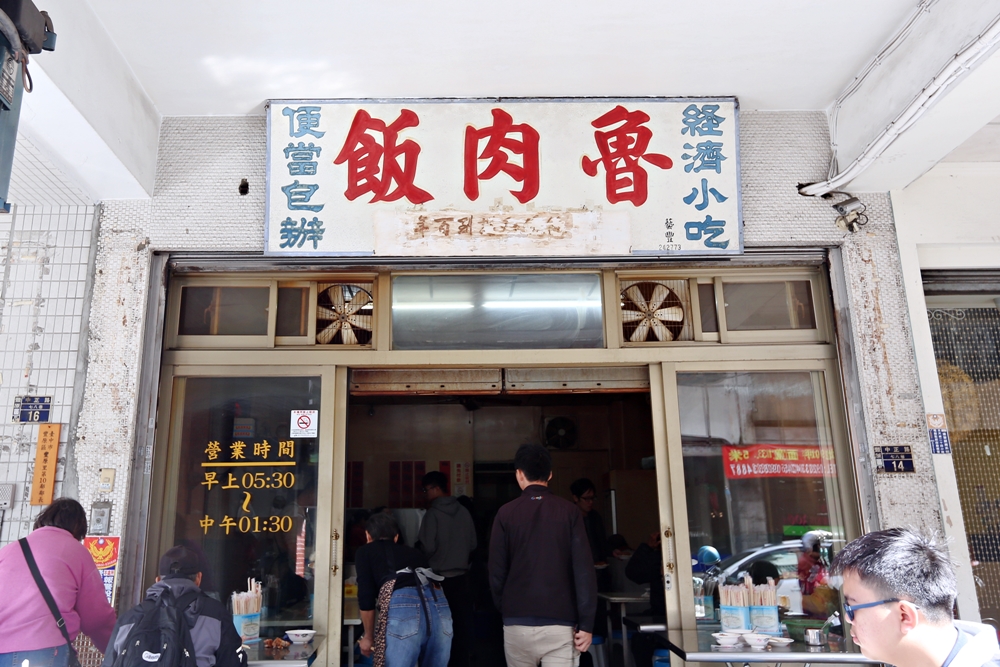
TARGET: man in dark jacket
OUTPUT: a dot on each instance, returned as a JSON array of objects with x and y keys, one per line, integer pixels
[
  {"x": 541, "y": 570},
  {"x": 213, "y": 635},
  {"x": 448, "y": 537}
]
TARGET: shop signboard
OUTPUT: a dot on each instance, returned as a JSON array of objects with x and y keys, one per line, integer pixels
[
  {"x": 757, "y": 461},
  {"x": 504, "y": 177}
]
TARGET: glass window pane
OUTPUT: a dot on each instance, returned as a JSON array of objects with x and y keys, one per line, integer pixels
[
  {"x": 498, "y": 311},
  {"x": 223, "y": 311},
  {"x": 293, "y": 311},
  {"x": 247, "y": 491},
  {"x": 759, "y": 472},
  {"x": 763, "y": 306},
  {"x": 706, "y": 301}
]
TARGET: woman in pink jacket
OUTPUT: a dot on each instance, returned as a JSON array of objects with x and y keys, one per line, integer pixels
[{"x": 28, "y": 630}]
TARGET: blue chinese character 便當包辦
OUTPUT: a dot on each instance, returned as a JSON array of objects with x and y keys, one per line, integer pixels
[
  {"x": 299, "y": 194},
  {"x": 303, "y": 158},
  {"x": 708, "y": 155},
  {"x": 303, "y": 121},
  {"x": 708, "y": 229},
  {"x": 705, "y": 191},
  {"x": 296, "y": 233},
  {"x": 703, "y": 121}
]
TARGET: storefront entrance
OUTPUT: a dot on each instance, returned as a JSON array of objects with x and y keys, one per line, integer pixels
[{"x": 725, "y": 429}]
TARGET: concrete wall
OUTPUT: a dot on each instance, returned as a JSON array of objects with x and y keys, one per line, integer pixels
[{"x": 196, "y": 206}]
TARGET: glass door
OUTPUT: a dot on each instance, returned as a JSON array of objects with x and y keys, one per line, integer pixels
[
  {"x": 763, "y": 487},
  {"x": 246, "y": 484}
]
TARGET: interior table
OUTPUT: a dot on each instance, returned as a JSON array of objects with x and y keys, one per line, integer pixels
[
  {"x": 698, "y": 646},
  {"x": 621, "y": 599},
  {"x": 296, "y": 655}
]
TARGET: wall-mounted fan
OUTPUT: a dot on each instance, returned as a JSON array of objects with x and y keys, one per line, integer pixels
[
  {"x": 651, "y": 310},
  {"x": 343, "y": 315},
  {"x": 560, "y": 433}
]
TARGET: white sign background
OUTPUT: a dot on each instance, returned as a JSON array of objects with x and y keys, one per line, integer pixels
[
  {"x": 588, "y": 223},
  {"x": 305, "y": 424}
]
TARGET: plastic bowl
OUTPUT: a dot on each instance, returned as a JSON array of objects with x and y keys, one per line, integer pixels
[
  {"x": 757, "y": 641},
  {"x": 781, "y": 641},
  {"x": 300, "y": 636},
  {"x": 739, "y": 631}
]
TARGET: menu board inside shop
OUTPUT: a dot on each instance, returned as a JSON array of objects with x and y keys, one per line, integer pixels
[{"x": 504, "y": 177}]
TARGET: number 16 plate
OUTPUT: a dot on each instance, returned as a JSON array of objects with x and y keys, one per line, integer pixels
[{"x": 32, "y": 409}]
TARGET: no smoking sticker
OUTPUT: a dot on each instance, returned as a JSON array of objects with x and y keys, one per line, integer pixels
[{"x": 305, "y": 423}]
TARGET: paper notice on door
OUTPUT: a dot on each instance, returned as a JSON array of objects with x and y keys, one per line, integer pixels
[{"x": 305, "y": 423}]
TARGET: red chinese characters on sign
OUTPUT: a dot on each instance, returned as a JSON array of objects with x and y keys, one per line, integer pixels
[
  {"x": 387, "y": 169},
  {"x": 501, "y": 141},
  {"x": 757, "y": 461},
  {"x": 621, "y": 148}
]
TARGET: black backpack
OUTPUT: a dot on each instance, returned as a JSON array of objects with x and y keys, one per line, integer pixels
[{"x": 161, "y": 635}]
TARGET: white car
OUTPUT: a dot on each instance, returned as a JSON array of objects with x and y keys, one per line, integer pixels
[{"x": 784, "y": 556}]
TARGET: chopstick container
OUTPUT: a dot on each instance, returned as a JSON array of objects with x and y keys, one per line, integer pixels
[{"x": 765, "y": 620}]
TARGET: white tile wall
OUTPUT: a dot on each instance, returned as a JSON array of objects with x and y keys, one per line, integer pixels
[{"x": 45, "y": 252}]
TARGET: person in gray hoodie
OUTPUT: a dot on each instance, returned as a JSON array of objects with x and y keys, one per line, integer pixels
[
  {"x": 448, "y": 537},
  {"x": 213, "y": 634}
]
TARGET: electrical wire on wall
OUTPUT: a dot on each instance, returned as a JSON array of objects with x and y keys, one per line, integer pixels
[{"x": 964, "y": 61}]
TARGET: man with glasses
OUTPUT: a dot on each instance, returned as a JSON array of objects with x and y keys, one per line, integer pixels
[
  {"x": 584, "y": 492},
  {"x": 899, "y": 590}
]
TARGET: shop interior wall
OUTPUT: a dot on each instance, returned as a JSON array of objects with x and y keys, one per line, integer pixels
[{"x": 611, "y": 441}]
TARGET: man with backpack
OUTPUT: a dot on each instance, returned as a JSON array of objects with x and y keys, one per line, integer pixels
[{"x": 176, "y": 625}]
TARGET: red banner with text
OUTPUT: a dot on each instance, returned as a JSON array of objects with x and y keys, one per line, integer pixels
[{"x": 757, "y": 461}]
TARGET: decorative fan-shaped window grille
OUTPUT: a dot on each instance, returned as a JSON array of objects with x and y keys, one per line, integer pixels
[
  {"x": 344, "y": 313},
  {"x": 655, "y": 311}
]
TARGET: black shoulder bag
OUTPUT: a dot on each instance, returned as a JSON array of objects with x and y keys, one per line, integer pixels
[{"x": 74, "y": 660}]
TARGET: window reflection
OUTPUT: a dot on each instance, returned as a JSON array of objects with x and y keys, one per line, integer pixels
[
  {"x": 760, "y": 474},
  {"x": 769, "y": 306},
  {"x": 223, "y": 311},
  {"x": 247, "y": 491}
]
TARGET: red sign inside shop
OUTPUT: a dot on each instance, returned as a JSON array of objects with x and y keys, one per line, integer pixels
[{"x": 758, "y": 461}]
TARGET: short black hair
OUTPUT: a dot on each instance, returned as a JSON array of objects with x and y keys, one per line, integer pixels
[
  {"x": 617, "y": 541},
  {"x": 906, "y": 564},
  {"x": 435, "y": 478},
  {"x": 67, "y": 514},
  {"x": 534, "y": 461},
  {"x": 581, "y": 486},
  {"x": 382, "y": 526}
]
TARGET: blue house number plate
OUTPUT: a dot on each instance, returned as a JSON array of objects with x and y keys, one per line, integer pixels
[{"x": 34, "y": 409}]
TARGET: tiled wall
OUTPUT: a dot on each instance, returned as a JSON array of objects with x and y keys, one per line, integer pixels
[{"x": 46, "y": 251}]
